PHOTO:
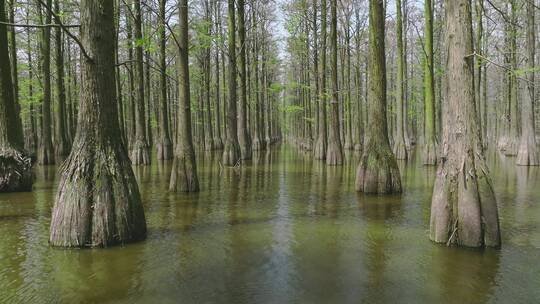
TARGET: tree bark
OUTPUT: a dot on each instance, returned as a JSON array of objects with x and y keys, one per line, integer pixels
[
  {"x": 98, "y": 202},
  {"x": 463, "y": 206},
  {"x": 244, "y": 139},
  {"x": 378, "y": 171}
]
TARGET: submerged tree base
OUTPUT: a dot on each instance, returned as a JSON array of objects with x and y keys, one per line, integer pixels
[
  {"x": 231, "y": 153},
  {"x": 164, "y": 149},
  {"x": 463, "y": 208},
  {"x": 528, "y": 152},
  {"x": 45, "y": 156},
  {"x": 184, "y": 173},
  {"x": 320, "y": 149},
  {"x": 218, "y": 143},
  {"x": 334, "y": 155},
  {"x": 378, "y": 172},
  {"x": 98, "y": 202},
  {"x": 257, "y": 144},
  {"x": 139, "y": 153},
  {"x": 15, "y": 171}
]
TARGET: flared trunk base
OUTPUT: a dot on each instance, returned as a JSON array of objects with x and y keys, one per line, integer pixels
[{"x": 378, "y": 172}]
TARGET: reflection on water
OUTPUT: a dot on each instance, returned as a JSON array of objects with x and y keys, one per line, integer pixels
[{"x": 282, "y": 229}]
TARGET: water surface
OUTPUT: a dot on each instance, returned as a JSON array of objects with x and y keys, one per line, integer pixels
[{"x": 282, "y": 229}]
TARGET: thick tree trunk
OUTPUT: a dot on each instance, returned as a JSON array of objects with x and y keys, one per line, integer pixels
[
  {"x": 164, "y": 143},
  {"x": 140, "y": 154},
  {"x": 231, "y": 152},
  {"x": 334, "y": 151},
  {"x": 378, "y": 171},
  {"x": 15, "y": 164},
  {"x": 321, "y": 142},
  {"x": 45, "y": 151},
  {"x": 400, "y": 148},
  {"x": 429, "y": 156},
  {"x": 184, "y": 172},
  {"x": 463, "y": 207},
  {"x": 528, "y": 151},
  {"x": 98, "y": 202}
]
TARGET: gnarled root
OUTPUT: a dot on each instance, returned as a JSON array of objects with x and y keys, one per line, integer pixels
[
  {"x": 463, "y": 207},
  {"x": 15, "y": 171},
  {"x": 139, "y": 153},
  {"x": 98, "y": 202},
  {"x": 378, "y": 172}
]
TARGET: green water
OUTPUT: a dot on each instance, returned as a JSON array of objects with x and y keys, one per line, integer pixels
[{"x": 283, "y": 229}]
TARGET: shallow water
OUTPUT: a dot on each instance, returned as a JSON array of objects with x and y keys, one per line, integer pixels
[{"x": 283, "y": 229}]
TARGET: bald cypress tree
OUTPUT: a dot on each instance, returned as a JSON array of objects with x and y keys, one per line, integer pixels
[
  {"x": 463, "y": 206},
  {"x": 378, "y": 171},
  {"x": 15, "y": 164},
  {"x": 231, "y": 151},
  {"x": 184, "y": 172},
  {"x": 98, "y": 202}
]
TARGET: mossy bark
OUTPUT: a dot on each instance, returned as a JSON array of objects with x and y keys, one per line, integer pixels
[
  {"x": 184, "y": 172},
  {"x": 378, "y": 171},
  {"x": 463, "y": 208},
  {"x": 98, "y": 202}
]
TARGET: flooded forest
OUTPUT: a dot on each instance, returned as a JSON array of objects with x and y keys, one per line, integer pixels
[{"x": 280, "y": 151}]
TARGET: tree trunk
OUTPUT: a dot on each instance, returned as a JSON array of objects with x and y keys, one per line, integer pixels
[
  {"x": 400, "y": 148},
  {"x": 231, "y": 153},
  {"x": 463, "y": 206},
  {"x": 140, "y": 154},
  {"x": 45, "y": 151},
  {"x": 184, "y": 172},
  {"x": 334, "y": 151},
  {"x": 243, "y": 132},
  {"x": 15, "y": 164},
  {"x": 321, "y": 143},
  {"x": 164, "y": 144},
  {"x": 378, "y": 171},
  {"x": 528, "y": 150},
  {"x": 98, "y": 202},
  {"x": 430, "y": 141}
]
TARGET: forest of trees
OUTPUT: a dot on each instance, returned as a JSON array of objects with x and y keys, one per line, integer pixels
[{"x": 99, "y": 86}]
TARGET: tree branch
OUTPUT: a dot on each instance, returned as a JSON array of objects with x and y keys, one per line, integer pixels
[{"x": 38, "y": 25}]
